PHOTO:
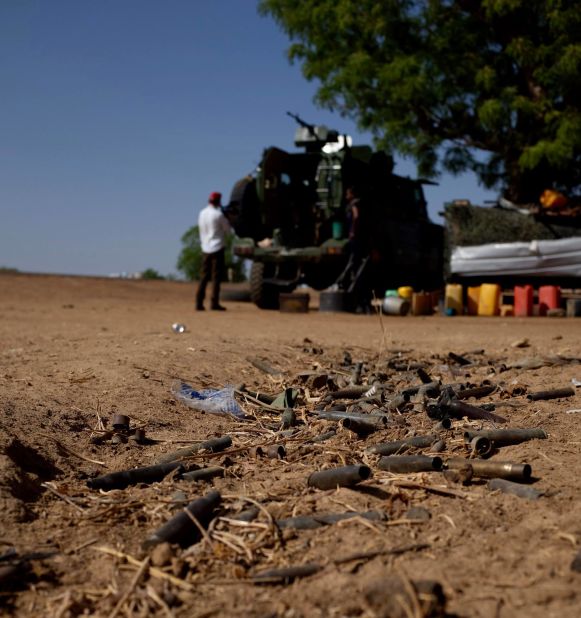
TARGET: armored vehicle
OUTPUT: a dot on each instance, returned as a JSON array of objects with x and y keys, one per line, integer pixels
[{"x": 290, "y": 218}]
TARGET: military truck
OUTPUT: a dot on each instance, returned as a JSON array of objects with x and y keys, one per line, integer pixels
[{"x": 291, "y": 222}]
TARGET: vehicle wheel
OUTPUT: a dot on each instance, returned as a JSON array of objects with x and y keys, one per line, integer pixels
[{"x": 262, "y": 294}]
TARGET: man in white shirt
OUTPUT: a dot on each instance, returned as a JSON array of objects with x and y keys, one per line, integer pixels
[{"x": 213, "y": 227}]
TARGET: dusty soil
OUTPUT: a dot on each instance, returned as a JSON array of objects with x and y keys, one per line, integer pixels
[{"x": 73, "y": 350}]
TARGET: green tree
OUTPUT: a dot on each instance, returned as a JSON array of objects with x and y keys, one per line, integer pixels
[
  {"x": 151, "y": 273},
  {"x": 484, "y": 85},
  {"x": 190, "y": 258}
]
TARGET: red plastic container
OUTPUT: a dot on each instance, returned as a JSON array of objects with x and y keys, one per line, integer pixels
[
  {"x": 523, "y": 300},
  {"x": 549, "y": 298}
]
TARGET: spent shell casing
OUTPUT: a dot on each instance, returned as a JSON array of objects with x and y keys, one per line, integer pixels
[
  {"x": 431, "y": 390},
  {"x": 410, "y": 463},
  {"x": 138, "y": 436},
  {"x": 361, "y": 427},
  {"x": 443, "y": 425},
  {"x": 203, "y": 474},
  {"x": 477, "y": 392},
  {"x": 461, "y": 409},
  {"x": 276, "y": 451},
  {"x": 345, "y": 476},
  {"x": 311, "y": 522},
  {"x": 183, "y": 528},
  {"x": 285, "y": 575},
  {"x": 506, "y": 437},
  {"x": 125, "y": 478},
  {"x": 339, "y": 415},
  {"x": 399, "y": 446},
  {"x": 516, "y": 489},
  {"x": 554, "y": 393},
  {"x": 438, "y": 447},
  {"x": 324, "y": 436},
  {"x": 480, "y": 445},
  {"x": 288, "y": 418},
  {"x": 397, "y": 402},
  {"x": 484, "y": 468},
  {"x": 423, "y": 375},
  {"x": 214, "y": 445},
  {"x": 120, "y": 422},
  {"x": 353, "y": 392}
]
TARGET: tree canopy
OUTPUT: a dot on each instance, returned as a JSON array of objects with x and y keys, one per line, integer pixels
[{"x": 484, "y": 85}]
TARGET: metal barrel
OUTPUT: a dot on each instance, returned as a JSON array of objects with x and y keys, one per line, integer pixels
[
  {"x": 505, "y": 437},
  {"x": 410, "y": 463},
  {"x": 204, "y": 474},
  {"x": 477, "y": 391},
  {"x": 288, "y": 418},
  {"x": 214, "y": 445},
  {"x": 181, "y": 529},
  {"x": 460, "y": 409},
  {"x": 337, "y": 415},
  {"x": 345, "y": 476},
  {"x": 554, "y": 393},
  {"x": 399, "y": 446},
  {"x": 494, "y": 469},
  {"x": 125, "y": 478},
  {"x": 361, "y": 427},
  {"x": 516, "y": 489}
]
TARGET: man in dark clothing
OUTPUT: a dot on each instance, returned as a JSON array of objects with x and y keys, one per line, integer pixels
[{"x": 354, "y": 278}]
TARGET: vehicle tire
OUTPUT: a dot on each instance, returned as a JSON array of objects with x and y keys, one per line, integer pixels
[{"x": 262, "y": 294}]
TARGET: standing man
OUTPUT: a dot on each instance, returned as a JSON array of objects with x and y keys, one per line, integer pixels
[
  {"x": 213, "y": 227},
  {"x": 355, "y": 278}
]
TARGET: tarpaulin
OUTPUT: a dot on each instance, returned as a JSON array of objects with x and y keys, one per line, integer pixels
[{"x": 557, "y": 258}]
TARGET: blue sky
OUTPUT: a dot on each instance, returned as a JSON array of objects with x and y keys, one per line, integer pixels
[{"x": 119, "y": 117}]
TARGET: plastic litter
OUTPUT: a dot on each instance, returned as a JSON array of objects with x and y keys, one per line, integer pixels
[{"x": 213, "y": 401}]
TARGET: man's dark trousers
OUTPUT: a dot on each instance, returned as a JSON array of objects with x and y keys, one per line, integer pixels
[{"x": 212, "y": 269}]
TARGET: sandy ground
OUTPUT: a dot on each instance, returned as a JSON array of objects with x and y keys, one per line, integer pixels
[{"x": 73, "y": 350}]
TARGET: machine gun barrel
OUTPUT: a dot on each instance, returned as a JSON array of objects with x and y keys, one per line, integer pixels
[{"x": 310, "y": 127}]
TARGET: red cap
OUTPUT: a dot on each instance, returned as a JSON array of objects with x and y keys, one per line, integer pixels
[{"x": 215, "y": 197}]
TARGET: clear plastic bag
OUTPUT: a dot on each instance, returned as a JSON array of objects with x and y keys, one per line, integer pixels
[{"x": 213, "y": 401}]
